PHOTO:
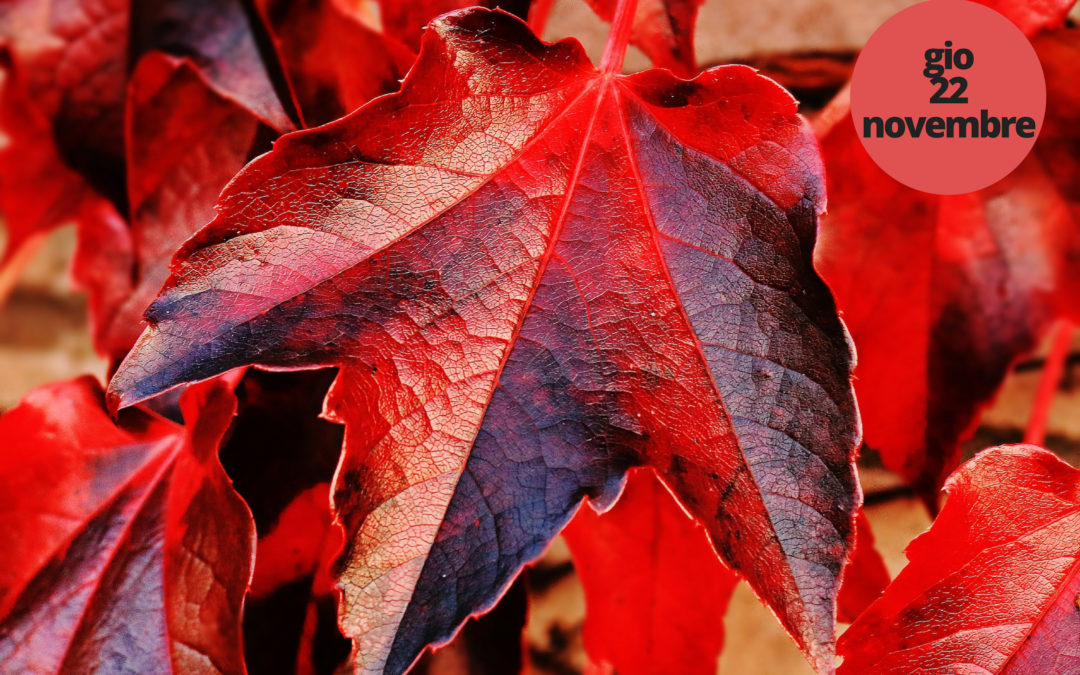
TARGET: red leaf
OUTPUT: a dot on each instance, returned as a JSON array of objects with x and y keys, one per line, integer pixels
[
  {"x": 70, "y": 61},
  {"x": 126, "y": 547},
  {"x": 1058, "y": 146},
  {"x": 222, "y": 41},
  {"x": 84, "y": 99},
  {"x": 33, "y": 532},
  {"x": 37, "y": 191},
  {"x": 534, "y": 275},
  {"x": 294, "y": 547},
  {"x": 1031, "y": 16},
  {"x": 185, "y": 142},
  {"x": 335, "y": 61},
  {"x": 943, "y": 294},
  {"x": 663, "y": 29},
  {"x": 655, "y": 592},
  {"x": 992, "y": 586},
  {"x": 865, "y": 577}
]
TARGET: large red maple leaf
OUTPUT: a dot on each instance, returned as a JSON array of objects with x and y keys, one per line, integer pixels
[
  {"x": 534, "y": 275},
  {"x": 126, "y": 548},
  {"x": 992, "y": 587}
]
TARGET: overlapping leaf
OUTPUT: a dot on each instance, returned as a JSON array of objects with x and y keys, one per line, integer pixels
[
  {"x": 93, "y": 41},
  {"x": 281, "y": 457},
  {"x": 992, "y": 587},
  {"x": 336, "y": 62},
  {"x": 71, "y": 64},
  {"x": 943, "y": 293},
  {"x": 31, "y": 165},
  {"x": 224, "y": 42},
  {"x": 655, "y": 592},
  {"x": 534, "y": 275},
  {"x": 185, "y": 141},
  {"x": 126, "y": 547}
]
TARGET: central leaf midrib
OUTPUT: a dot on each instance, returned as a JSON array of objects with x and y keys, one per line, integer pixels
[{"x": 602, "y": 87}]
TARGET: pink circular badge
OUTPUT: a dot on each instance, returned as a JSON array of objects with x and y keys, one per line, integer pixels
[{"x": 948, "y": 96}]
